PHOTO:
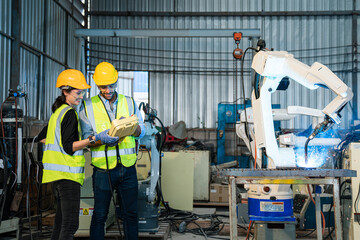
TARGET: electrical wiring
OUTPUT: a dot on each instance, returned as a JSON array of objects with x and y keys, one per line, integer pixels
[
  {"x": 186, "y": 53},
  {"x": 162, "y": 57},
  {"x": 6, "y": 179},
  {"x": 32, "y": 143},
  {"x": 199, "y": 229},
  {"x": 2, "y": 121},
  {"x": 25, "y": 150},
  {"x": 170, "y": 66},
  {"x": 322, "y": 215},
  {"x": 244, "y": 102},
  {"x": 188, "y": 67},
  {"x": 329, "y": 218},
  {"x": 182, "y": 51},
  {"x": 170, "y": 51},
  {"x": 40, "y": 199},
  {"x": 356, "y": 203},
  {"x": 16, "y": 136},
  {"x": 240, "y": 98},
  {"x": 306, "y": 235},
  {"x": 181, "y": 219},
  {"x": 139, "y": 158},
  {"x": 199, "y": 60},
  {"x": 251, "y": 223},
  {"x": 14, "y": 180}
]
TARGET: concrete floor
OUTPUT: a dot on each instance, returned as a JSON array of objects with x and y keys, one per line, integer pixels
[
  {"x": 187, "y": 236},
  {"x": 173, "y": 236}
]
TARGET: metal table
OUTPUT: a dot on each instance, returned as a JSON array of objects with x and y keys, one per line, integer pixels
[{"x": 288, "y": 176}]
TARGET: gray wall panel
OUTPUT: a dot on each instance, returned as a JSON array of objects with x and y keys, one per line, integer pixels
[
  {"x": 161, "y": 88},
  {"x": 56, "y": 31},
  {"x": 32, "y": 22},
  {"x": 5, "y": 47},
  {"x": 72, "y": 42},
  {"x": 5, "y": 16},
  {"x": 204, "y": 67},
  {"x": 307, "y": 5},
  {"x": 30, "y": 81},
  {"x": 217, "y": 6},
  {"x": 5, "y": 54},
  {"x": 132, "y": 5},
  {"x": 52, "y": 71},
  {"x": 37, "y": 72}
]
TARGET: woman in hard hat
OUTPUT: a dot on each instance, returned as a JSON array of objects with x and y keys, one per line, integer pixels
[{"x": 63, "y": 158}]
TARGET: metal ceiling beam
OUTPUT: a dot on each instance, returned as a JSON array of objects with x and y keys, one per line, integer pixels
[
  {"x": 165, "y": 33},
  {"x": 223, "y": 14}
]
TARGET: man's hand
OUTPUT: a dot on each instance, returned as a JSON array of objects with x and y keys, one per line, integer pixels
[{"x": 106, "y": 139}]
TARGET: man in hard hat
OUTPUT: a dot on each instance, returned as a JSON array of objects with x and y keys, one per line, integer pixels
[{"x": 114, "y": 164}]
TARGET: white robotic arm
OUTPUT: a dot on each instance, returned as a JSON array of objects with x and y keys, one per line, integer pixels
[
  {"x": 273, "y": 66},
  {"x": 282, "y": 64}
]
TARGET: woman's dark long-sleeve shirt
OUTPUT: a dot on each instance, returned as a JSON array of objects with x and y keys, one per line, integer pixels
[{"x": 69, "y": 131}]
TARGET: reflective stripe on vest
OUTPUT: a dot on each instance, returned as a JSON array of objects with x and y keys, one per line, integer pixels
[
  {"x": 130, "y": 104},
  {"x": 57, "y": 148},
  {"x": 57, "y": 163},
  {"x": 63, "y": 168},
  {"x": 127, "y": 151},
  {"x": 99, "y": 154}
]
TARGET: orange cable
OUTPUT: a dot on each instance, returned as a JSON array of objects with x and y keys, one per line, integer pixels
[
  {"x": 322, "y": 215},
  {"x": 247, "y": 235}
]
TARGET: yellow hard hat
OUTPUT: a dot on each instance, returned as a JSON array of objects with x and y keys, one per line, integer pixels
[
  {"x": 105, "y": 74},
  {"x": 73, "y": 78}
]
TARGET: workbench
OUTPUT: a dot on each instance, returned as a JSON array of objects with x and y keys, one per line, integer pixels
[{"x": 288, "y": 176}]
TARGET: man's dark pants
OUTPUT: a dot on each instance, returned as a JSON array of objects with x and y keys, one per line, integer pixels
[{"x": 124, "y": 181}]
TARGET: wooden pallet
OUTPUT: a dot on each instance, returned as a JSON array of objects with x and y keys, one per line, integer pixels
[{"x": 164, "y": 230}]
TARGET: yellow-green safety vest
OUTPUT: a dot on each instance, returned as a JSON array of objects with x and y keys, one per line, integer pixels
[
  {"x": 57, "y": 163},
  {"x": 99, "y": 119}
]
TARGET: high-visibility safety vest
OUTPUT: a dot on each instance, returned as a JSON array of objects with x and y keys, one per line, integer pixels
[
  {"x": 57, "y": 163},
  {"x": 124, "y": 152}
]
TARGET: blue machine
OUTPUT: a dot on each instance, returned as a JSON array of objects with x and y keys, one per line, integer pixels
[{"x": 230, "y": 114}]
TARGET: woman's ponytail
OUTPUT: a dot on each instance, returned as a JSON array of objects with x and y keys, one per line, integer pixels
[{"x": 60, "y": 100}]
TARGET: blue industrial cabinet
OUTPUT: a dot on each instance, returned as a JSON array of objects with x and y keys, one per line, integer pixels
[{"x": 230, "y": 114}]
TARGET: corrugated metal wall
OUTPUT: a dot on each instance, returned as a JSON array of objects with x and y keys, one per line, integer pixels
[
  {"x": 189, "y": 77},
  {"x": 72, "y": 42},
  {"x": 56, "y": 32},
  {"x": 48, "y": 46},
  {"x": 30, "y": 80},
  {"x": 32, "y": 27},
  {"x": 51, "y": 92}
]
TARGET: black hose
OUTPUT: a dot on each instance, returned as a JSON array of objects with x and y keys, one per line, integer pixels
[
  {"x": 306, "y": 151},
  {"x": 5, "y": 161},
  {"x": 5, "y": 183},
  {"x": 164, "y": 130},
  {"x": 247, "y": 131}
]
